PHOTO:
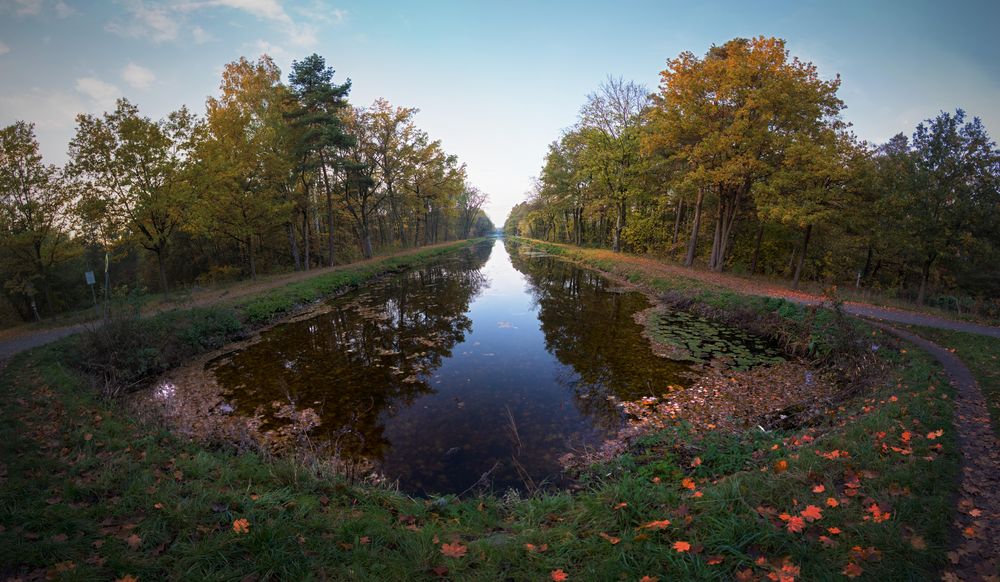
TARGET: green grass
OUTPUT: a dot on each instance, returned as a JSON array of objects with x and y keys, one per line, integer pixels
[
  {"x": 80, "y": 476},
  {"x": 981, "y": 354}
]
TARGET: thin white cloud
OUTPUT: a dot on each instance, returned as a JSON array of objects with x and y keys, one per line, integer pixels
[
  {"x": 102, "y": 95},
  {"x": 64, "y": 10},
  {"x": 47, "y": 109},
  {"x": 276, "y": 52},
  {"x": 151, "y": 21},
  {"x": 26, "y": 7},
  {"x": 201, "y": 36},
  {"x": 321, "y": 12},
  {"x": 36, "y": 8},
  {"x": 4, "y": 49},
  {"x": 162, "y": 21},
  {"x": 138, "y": 76}
]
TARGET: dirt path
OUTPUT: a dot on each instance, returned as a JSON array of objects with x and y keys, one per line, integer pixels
[
  {"x": 15, "y": 341},
  {"x": 975, "y": 551}
]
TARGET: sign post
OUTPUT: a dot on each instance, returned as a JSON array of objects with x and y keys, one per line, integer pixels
[{"x": 89, "y": 275}]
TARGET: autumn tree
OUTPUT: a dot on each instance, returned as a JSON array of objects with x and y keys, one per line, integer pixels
[
  {"x": 34, "y": 206},
  {"x": 726, "y": 119},
  {"x": 245, "y": 158}
]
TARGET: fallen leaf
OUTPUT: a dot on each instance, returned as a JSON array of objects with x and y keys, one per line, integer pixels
[
  {"x": 241, "y": 526},
  {"x": 611, "y": 539},
  {"x": 455, "y": 550},
  {"x": 681, "y": 546},
  {"x": 853, "y": 570},
  {"x": 812, "y": 513},
  {"x": 558, "y": 575},
  {"x": 133, "y": 541}
]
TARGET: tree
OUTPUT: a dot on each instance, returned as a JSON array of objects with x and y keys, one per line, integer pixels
[
  {"x": 395, "y": 139},
  {"x": 955, "y": 167},
  {"x": 34, "y": 204},
  {"x": 318, "y": 105},
  {"x": 726, "y": 119},
  {"x": 809, "y": 186},
  {"x": 610, "y": 122},
  {"x": 245, "y": 158},
  {"x": 132, "y": 175},
  {"x": 470, "y": 204}
]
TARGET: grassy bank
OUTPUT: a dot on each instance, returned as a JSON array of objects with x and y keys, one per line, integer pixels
[
  {"x": 89, "y": 493},
  {"x": 131, "y": 349}
]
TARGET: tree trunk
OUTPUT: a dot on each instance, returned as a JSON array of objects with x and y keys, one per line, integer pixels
[
  {"x": 305, "y": 237},
  {"x": 696, "y": 224},
  {"x": 162, "y": 265},
  {"x": 925, "y": 273},
  {"x": 713, "y": 259},
  {"x": 578, "y": 226},
  {"x": 619, "y": 226},
  {"x": 726, "y": 219},
  {"x": 366, "y": 237},
  {"x": 677, "y": 221},
  {"x": 868, "y": 264},
  {"x": 253, "y": 262},
  {"x": 756, "y": 249},
  {"x": 329, "y": 213},
  {"x": 802, "y": 256},
  {"x": 293, "y": 246}
]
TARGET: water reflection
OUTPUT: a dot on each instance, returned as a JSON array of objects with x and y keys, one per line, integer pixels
[{"x": 487, "y": 362}]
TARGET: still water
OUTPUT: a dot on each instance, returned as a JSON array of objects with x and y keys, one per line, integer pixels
[{"x": 491, "y": 361}]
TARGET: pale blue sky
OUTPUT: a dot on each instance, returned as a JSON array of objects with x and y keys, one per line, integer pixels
[{"x": 495, "y": 81}]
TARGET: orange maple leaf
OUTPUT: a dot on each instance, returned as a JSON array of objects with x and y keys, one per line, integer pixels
[
  {"x": 696, "y": 462},
  {"x": 681, "y": 546},
  {"x": 781, "y": 466},
  {"x": 241, "y": 526},
  {"x": 796, "y": 524},
  {"x": 688, "y": 483},
  {"x": 649, "y": 579},
  {"x": 660, "y": 524},
  {"x": 819, "y": 489},
  {"x": 812, "y": 513},
  {"x": 455, "y": 550},
  {"x": 831, "y": 502},
  {"x": 558, "y": 575},
  {"x": 833, "y": 530}
]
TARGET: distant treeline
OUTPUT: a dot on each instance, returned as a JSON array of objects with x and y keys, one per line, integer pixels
[
  {"x": 742, "y": 160},
  {"x": 273, "y": 176}
]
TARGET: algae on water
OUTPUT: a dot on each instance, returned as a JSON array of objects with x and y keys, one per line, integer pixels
[{"x": 705, "y": 340}]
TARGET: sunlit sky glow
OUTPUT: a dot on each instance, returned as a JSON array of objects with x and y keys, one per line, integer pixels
[{"x": 495, "y": 81}]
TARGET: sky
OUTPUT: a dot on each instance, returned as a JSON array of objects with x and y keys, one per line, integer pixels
[{"x": 495, "y": 81}]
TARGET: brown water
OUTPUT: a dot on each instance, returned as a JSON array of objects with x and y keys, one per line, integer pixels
[{"x": 493, "y": 360}]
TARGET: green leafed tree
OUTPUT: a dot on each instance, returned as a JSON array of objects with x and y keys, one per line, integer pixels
[
  {"x": 133, "y": 178},
  {"x": 34, "y": 207}
]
